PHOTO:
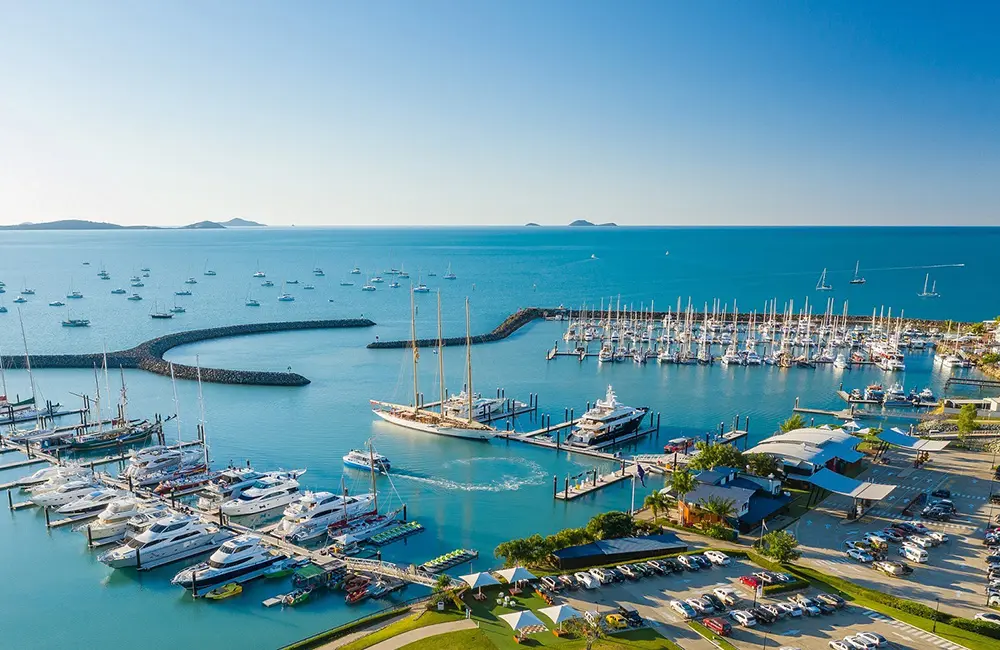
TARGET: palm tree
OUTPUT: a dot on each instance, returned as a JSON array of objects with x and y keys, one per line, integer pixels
[
  {"x": 441, "y": 589},
  {"x": 681, "y": 484},
  {"x": 655, "y": 501},
  {"x": 718, "y": 507},
  {"x": 792, "y": 423}
]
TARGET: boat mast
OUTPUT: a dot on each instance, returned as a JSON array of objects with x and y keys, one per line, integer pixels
[
  {"x": 468, "y": 359},
  {"x": 201, "y": 414},
  {"x": 31, "y": 378},
  {"x": 440, "y": 352},
  {"x": 124, "y": 411},
  {"x": 416, "y": 353},
  {"x": 3, "y": 379},
  {"x": 97, "y": 388},
  {"x": 371, "y": 466},
  {"x": 107, "y": 384},
  {"x": 177, "y": 408}
]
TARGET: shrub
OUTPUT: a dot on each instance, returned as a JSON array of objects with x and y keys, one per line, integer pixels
[
  {"x": 782, "y": 587},
  {"x": 718, "y": 531},
  {"x": 985, "y": 628}
]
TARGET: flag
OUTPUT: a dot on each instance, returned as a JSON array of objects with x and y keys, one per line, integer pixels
[{"x": 641, "y": 474}]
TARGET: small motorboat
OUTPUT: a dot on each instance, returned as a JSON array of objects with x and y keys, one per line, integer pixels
[
  {"x": 295, "y": 597},
  {"x": 225, "y": 591}
]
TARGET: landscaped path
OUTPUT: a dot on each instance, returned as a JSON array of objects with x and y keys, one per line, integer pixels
[{"x": 422, "y": 633}]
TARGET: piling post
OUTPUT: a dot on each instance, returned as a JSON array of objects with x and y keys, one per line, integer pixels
[
  {"x": 796, "y": 402},
  {"x": 220, "y": 516},
  {"x": 10, "y": 501},
  {"x": 812, "y": 422},
  {"x": 404, "y": 512},
  {"x": 194, "y": 583},
  {"x": 623, "y": 467},
  {"x": 588, "y": 406},
  {"x": 746, "y": 425},
  {"x": 90, "y": 538},
  {"x": 594, "y": 483},
  {"x": 558, "y": 436},
  {"x": 46, "y": 516},
  {"x": 566, "y": 489},
  {"x": 138, "y": 561},
  {"x": 503, "y": 393},
  {"x": 736, "y": 425},
  {"x": 58, "y": 455},
  {"x": 571, "y": 418},
  {"x": 658, "y": 422},
  {"x": 565, "y": 415},
  {"x": 555, "y": 487}
]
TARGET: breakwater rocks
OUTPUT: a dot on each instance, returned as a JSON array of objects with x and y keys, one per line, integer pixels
[
  {"x": 149, "y": 355},
  {"x": 523, "y": 316},
  {"x": 511, "y": 324}
]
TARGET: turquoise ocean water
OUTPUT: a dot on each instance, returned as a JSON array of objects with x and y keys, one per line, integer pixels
[{"x": 55, "y": 593}]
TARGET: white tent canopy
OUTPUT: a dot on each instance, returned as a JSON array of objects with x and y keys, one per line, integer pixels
[
  {"x": 517, "y": 574},
  {"x": 522, "y": 619},
  {"x": 852, "y": 425},
  {"x": 559, "y": 613},
  {"x": 479, "y": 580},
  {"x": 897, "y": 439}
]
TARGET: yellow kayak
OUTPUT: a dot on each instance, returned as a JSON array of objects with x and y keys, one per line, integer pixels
[{"x": 225, "y": 591}]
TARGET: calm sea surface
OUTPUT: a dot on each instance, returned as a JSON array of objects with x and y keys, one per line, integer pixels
[{"x": 53, "y": 591}]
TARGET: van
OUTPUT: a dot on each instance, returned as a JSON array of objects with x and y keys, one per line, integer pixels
[{"x": 913, "y": 553}]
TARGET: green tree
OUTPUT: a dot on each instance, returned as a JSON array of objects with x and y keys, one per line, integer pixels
[
  {"x": 792, "y": 423},
  {"x": 720, "y": 508},
  {"x": 441, "y": 589},
  {"x": 655, "y": 501},
  {"x": 527, "y": 550},
  {"x": 990, "y": 358},
  {"x": 966, "y": 420},
  {"x": 780, "y": 545},
  {"x": 712, "y": 455},
  {"x": 682, "y": 483},
  {"x": 978, "y": 328},
  {"x": 568, "y": 537},
  {"x": 586, "y": 630},
  {"x": 761, "y": 464},
  {"x": 611, "y": 525}
]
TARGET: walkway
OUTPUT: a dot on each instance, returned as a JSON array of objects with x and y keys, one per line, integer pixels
[{"x": 422, "y": 633}]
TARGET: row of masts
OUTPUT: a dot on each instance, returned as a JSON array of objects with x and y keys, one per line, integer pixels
[{"x": 440, "y": 355}]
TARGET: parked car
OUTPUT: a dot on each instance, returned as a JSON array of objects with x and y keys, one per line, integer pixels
[
  {"x": 831, "y": 599},
  {"x": 551, "y": 583},
  {"x": 824, "y": 607},
  {"x": 873, "y": 637},
  {"x": 716, "y": 602},
  {"x": 891, "y": 535},
  {"x": 656, "y": 567},
  {"x": 627, "y": 571},
  {"x": 839, "y": 645},
  {"x": 782, "y": 577},
  {"x": 718, "y": 557},
  {"x": 793, "y": 610},
  {"x": 861, "y": 556},
  {"x": 749, "y": 581},
  {"x": 616, "y": 575},
  {"x": 920, "y": 540},
  {"x": 809, "y": 608},
  {"x": 989, "y": 617},
  {"x": 702, "y": 560},
  {"x": 935, "y": 514},
  {"x": 683, "y": 609},
  {"x": 776, "y": 611},
  {"x": 743, "y": 617},
  {"x": 858, "y": 643},
  {"x": 875, "y": 540},
  {"x": 698, "y": 605},
  {"x": 631, "y": 615},
  {"x": 641, "y": 570},
  {"x": 603, "y": 576},
  {"x": 995, "y": 497},
  {"x": 672, "y": 564},
  {"x": 688, "y": 563},
  {"x": 938, "y": 535},
  {"x": 941, "y": 493},
  {"x": 763, "y": 615},
  {"x": 944, "y": 504},
  {"x": 726, "y": 595},
  {"x": 913, "y": 553},
  {"x": 766, "y": 577},
  {"x": 719, "y": 626},
  {"x": 587, "y": 580},
  {"x": 569, "y": 581},
  {"x": 893, "y": 568},
  {"x": 615, "y": 621}
]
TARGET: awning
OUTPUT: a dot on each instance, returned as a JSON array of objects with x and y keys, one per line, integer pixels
[
  {"x": 911, "y": 442},
  {"x": 517, "y": 574},
  {"x": 480, "y": 580},
  {"x": 522, "y": 619},
  {"x": 851, "y": 487},
  {"x": 559, "y": 613}
]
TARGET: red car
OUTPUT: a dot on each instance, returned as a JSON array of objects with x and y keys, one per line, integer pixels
[
  {"x": 750, "y": 581},
  {"x": 719, "y": 626}
]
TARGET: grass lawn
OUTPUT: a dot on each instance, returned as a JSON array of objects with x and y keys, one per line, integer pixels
[
  {"x": 461, "y": 640},
  {"x": 399, "y": 627},
  {"x": 847, "y": 589},
  {"x": 645, "y": 639}
]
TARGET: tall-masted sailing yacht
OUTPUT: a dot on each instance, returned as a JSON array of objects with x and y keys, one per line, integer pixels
[{"x": 436, "y": 422}]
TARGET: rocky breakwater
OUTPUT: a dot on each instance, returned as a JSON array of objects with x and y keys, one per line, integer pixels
[
  {"x": 149, "y": 355},
  {"x": 511, "y": 324}
]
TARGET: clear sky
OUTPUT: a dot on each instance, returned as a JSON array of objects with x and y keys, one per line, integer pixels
[{"x": 474, "y": 113}]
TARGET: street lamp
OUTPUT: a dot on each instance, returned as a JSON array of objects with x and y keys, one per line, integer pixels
[{"x": 937, "y": 608}]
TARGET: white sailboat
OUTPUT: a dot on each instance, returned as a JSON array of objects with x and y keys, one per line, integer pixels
[
  {"x": 439, "y": 423},
  {"x": 821, "y": 284},
  {"x": 857, "y": 279},
  {"x": 933, "y": 292}
]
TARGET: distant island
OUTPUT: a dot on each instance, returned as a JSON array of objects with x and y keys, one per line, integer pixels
[
  {"x": 532, "y": 224},
  {"x": 80, "y": 224},
  {"x": 584, "y": 222}
]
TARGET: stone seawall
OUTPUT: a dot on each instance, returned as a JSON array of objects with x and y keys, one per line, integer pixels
[
  {"x": 149, "y": 354},
  {"x": 523, "y": 316}
]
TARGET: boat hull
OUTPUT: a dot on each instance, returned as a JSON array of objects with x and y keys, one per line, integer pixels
[
  {"x": 451, "y": 432},
  {"x": 153, "y": 559}
]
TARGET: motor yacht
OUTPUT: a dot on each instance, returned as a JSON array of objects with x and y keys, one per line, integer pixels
[
  {"x": 259, "y": 274},
  {"x": 45, "y": 474},
  {"x": 895, "y": 396},
  {"x": 484, "y": 409},
  {"x": 230, "y": 484},
  {"x": 113, "y": 520},
  {"x": 267, "y": 283},
  {"x": 312, "y": 513},
  {"x": 840, "y": 362},
  {"x": 92, "y": 503},
  {"x": 363, "y": 460},
  {"x": 356, "y": 271},
  {"x": 362, "y": 528},
  {"x": 927, "y": 395},
  {"x": 239, "y": 560},
  {"x": 57, "y": 303},
  {"x": 65, "y": 493},
  {"x": 751, "y": 358},
  {"x": 182, "y": 292},
  {"x": 74, "y": 295},
  {"x": 169, "y": 539},
  {"x": 134, "y": 297},
  {"x": 606, "y": 421},
  {"x": 268, "y": 493},
  {"x": 119, "y": 291}
]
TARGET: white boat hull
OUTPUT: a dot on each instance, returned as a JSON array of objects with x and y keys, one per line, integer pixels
[
  {"x": 451, "y": 432},
  {"x": 173, "y": 553},
  {"x": 242, "y": 508}
]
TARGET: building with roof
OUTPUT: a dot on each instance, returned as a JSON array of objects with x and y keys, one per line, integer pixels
[
  {"x": 805, "y": 451},
  {"x": 617, "y": 551},
  {"x": 754, "y": 498}
]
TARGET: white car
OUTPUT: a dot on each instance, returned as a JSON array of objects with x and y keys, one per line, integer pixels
[
  {"x": 726, "y": 595},
  {"x": 989, "y": 617},
  {"x": 587, "y": 580},
  {"x": 697, "y": 605},
  {"x": 873, "y": 638},
  {"x": 861, "y": 556},
  {"x": 920, "y": 540},
  {"x": 858, "y": 643},
  {"x": 939, "y": 536},
  {"x": 809, "y": 608},
  {"x": 743, "y": 617},
  {"x": 839, "y": 645},
  {"x": 718, "y": 557},
  {"x": 789, "y": 609},
  {"x": 683, "y": 609},
  {"x": 775, "y": 611},
  {"x": 603, "y": 576}
]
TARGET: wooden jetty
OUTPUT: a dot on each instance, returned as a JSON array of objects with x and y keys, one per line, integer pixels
[
  {"x": 23, "y": 463},
  {"x": 969, "y": 381}
]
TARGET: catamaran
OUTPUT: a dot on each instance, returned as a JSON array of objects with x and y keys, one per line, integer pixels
[{"x": 440, "y": 423}]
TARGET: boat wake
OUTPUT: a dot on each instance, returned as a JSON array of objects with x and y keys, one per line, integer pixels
[{"x": 519, "y": 473}]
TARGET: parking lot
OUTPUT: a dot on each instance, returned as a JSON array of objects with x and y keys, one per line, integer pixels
[
  {"x": 651, "y": 596},
  {"x": 954, "y": 573}
]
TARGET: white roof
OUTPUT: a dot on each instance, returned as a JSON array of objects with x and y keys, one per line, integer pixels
[
  {"x": 808, "y": 453},
  {"x": 517, "y": 574},
  {"x": 848, "y": 486},
  {"x": 813, "y": 436},
  {"x": 479, "y": 580},
  {"x": 559, "y": 613},
  {"x": 522, "y": 619}
]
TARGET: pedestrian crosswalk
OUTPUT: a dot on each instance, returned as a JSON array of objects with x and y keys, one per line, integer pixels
[{"x": 910, "y": 630}]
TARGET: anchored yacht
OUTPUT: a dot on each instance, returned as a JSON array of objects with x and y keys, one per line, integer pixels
[
  {"x": 268, "y": 493},
  {"x": 310, "y": 515},
  {"x": 65, "y": 493},
  {"x": 239, "y": 560},
  {"x": 170, "y": 539},
  {"x": 93, "y": 502},
  {"x": 606, "y": 421}
]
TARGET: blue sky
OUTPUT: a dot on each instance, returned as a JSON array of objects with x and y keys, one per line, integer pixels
[{"x": 475, "y": 113}]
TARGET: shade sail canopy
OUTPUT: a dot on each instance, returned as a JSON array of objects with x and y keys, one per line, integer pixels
[
  {"x": 893, "y": 437},
  {"x": 852, "y": 425},
  {"x": 851, "y": 487},
  {"x": 517, "y": 574},
  {"x": 475, "y": 580},
  {"x": 559, "y": 613},
  {"x": 520, "y": 620}
]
